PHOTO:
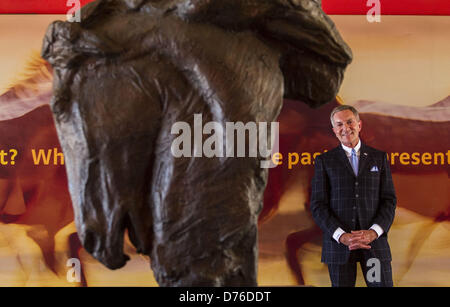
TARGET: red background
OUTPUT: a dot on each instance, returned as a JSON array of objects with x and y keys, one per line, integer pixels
[{"x": 338, "y": 7}]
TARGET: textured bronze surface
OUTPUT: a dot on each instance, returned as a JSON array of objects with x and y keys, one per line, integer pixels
[{"x": 131, "y": 69}]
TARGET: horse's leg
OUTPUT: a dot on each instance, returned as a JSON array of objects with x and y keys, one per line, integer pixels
[
  {"x": 421, "y": 236},
  {"x": 294, "y": 242},
  {"x": 418, "y": 240},
  {"x": 46, "y": 242}
]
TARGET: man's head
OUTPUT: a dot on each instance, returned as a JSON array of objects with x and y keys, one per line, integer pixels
[{"x": 346, "y": 124}]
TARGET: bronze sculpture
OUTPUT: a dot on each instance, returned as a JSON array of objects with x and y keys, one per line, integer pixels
[{"x": 129, "y": 71}]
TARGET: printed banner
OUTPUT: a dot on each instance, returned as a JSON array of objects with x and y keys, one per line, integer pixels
[{"x": 399, "y": 81}]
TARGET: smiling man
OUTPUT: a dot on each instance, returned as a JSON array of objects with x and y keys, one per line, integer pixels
[{"x": 353, "y": 202}]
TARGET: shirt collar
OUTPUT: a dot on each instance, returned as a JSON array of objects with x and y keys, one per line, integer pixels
[{"x": 349, "y": 149}]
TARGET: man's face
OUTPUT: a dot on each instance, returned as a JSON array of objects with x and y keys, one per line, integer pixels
[{"x": 347, "y": 128}]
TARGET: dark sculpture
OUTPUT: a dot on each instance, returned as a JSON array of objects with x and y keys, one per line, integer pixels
[{"x": 130, "y": 70}]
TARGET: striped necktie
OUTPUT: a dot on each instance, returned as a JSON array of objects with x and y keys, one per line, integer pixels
[{"x": 354, "y": 161}]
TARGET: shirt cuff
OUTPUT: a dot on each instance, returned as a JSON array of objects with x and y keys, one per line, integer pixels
[
  {"x": 338, "y": 233},
  {"x": 377, "y": 229}
]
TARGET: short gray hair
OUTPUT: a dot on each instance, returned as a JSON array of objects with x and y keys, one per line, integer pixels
[{"x": 343, "y": 108}]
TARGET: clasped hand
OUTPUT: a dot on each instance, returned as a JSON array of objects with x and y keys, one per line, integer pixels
[{"x": 358, "y": 239}]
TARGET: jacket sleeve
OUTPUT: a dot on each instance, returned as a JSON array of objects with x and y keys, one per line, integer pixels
[
  {"x": 388, "y": 200},
  {"x": 320, "y": 200}
]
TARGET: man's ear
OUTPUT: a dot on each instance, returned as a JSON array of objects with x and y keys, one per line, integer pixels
[{"x": 334, "y": 130}]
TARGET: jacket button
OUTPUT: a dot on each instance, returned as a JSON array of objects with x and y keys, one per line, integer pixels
[
  {"x": 356, "y": 183},
  {"x": 357, "y": 195}
]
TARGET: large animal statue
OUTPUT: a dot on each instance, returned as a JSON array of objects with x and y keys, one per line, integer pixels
[{"x": 132, "y": 72}]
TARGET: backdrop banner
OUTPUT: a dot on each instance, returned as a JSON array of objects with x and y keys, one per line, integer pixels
[{"x": 399, "y": 81}]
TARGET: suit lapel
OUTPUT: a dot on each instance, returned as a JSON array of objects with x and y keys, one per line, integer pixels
[
  {"x": 363, "y": 158},
  {"x": 343, "y": 157}
]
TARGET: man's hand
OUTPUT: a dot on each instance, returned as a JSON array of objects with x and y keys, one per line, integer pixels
[{"x": 359, "y": 239}]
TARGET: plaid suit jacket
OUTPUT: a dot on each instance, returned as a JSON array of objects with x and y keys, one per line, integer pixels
[{"x": 339, "y": 198}]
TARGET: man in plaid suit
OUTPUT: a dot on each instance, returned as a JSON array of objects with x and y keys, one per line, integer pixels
[{"x": 353, "y": 202}]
